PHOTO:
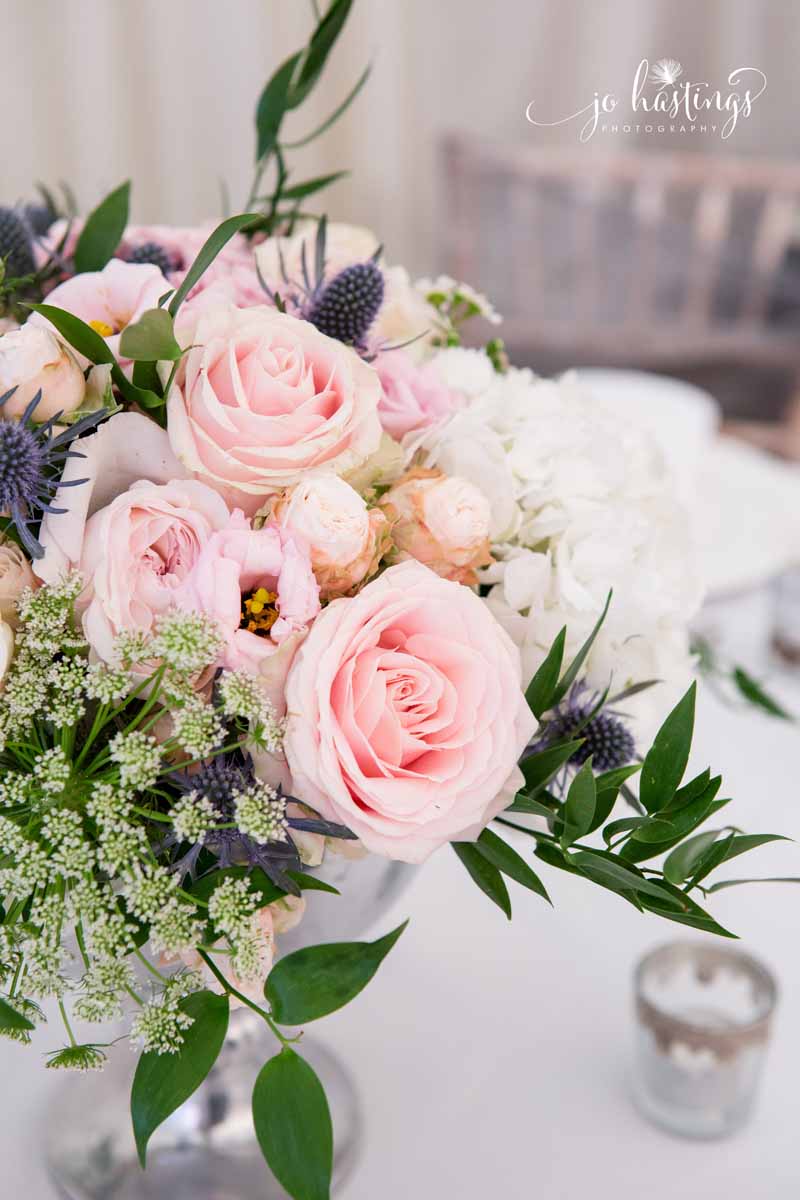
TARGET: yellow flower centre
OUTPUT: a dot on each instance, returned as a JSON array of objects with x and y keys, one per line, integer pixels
[
  {"x": 259, "y": 611},
  {"x": 102, "y": 327}
]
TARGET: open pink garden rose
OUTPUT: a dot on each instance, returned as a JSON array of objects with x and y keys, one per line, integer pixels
[
  {"x": 264, "y": 398},
  {"x": 405, "y": 714}
]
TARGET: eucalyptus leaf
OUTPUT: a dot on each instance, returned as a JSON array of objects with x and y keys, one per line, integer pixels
[
  {"x": 164, "y": 1081},
  {"x": 151, "y": 338},
  {"x": 318, "y": 980},
  {"x": 506, "y": 859},
  {"x": 484, "y": 874},
  {"x": 665, "y": 761},
  {"x": 540, "y": 693},
  {"x": 293, "y": 1125},
  {"x": 103, "y": 230}
]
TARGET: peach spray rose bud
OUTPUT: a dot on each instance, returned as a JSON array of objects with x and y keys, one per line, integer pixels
[
  {"x": 15, "y": 576},
  {"x": 345, "y": 539},
  {"x": 33, "y": 359},
  {"x": 441, "y": 521}
]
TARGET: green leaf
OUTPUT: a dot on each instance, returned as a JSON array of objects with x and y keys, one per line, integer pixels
[
  {"x": 485, "y": 874},
  {"x": 571, "y": 673},
  {"x": 681, "y": 862},
  {"x": 506, "y": 859},
  {"x": 728, "y": 883},
  {"x": 103, "y": 230},
  {"x": 11, "y": 1019},
  {"x": 91, "y": 345},
  {"x": 615, "y": 874},
  {"x": 630, "y": 823},
  {"x": 164, "y": 1081},
  {"x": 273, "y": 104},
  {"x": 293, "y": 1126},
  {"x": 690, "y": 791},
  {"x": 533, "y": 808},
  {"x": 744, "y": 842},
  {"x": 579, "y": 805},
  {"x": 299, "y": 190},
  {"x": 608, "y": 785},
  {"x": 81, "y": 337},
  {"x": 755, "y": 694},
  {"x": 665, "y": 761},
  {"x": 681, "y": 821},
  {"x": 322, "y": 42},
  {"x": 334, "y": 116},
  {"x": 541, "y": 690},
  {"x": 208, "y": 252},
  {"x": 677, "y": 906},
  {"x": 151, "y": 338},
  {"x": 539, "y": 768},
  {"x": 317, "y": 980}
]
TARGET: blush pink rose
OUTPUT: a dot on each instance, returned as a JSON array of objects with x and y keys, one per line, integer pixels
[
  {"x": 264, "y": 398},
  {"x": 138, "y": 553},
  {"x": 345, "y": 539},
  {"x": 406, "y": 715},
  {"x": 440, "y": 520},
  {"x": 110, "y": 299},
  {"x": 239, "y": 560},
  {"x": 232, "y": 274},
  {"x": 412, "y": 397}
]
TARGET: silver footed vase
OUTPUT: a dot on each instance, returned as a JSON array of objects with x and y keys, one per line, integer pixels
[{"x": 207, "y": 1149}]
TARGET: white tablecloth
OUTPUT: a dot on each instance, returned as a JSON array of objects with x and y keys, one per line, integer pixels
[{"x": 492, "y": 1057}]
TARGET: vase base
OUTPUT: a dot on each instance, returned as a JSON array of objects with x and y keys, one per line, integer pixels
[{"x": 204, "y": 1151}]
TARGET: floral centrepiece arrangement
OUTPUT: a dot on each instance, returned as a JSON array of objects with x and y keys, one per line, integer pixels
[{"x": 287, "y": 571}]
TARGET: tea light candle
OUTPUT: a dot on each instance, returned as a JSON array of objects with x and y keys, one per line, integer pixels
[{"x": 703, "y": 1016}]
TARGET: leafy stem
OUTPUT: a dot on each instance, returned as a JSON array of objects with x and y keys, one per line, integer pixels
[{"x": 232, "y": 991}]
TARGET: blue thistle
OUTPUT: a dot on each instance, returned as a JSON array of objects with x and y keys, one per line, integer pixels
[
  {"x": 346, "y": 307},
  {"x": 219, "y": 780},
  {"x": 607, "y": 740},
  {"x": 39, "y": 218},
  {"x": 15, "y": 244},
  {"x": 31, "y": 462},
  {"x": 152, "y": 252}
]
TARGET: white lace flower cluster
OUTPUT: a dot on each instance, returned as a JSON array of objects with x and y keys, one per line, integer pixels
[
  {"x": 93, "y": 819},
  {"x": 580, "y": 504}
]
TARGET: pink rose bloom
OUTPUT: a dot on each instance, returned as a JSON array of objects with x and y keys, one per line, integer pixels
[
  {"x": 138, "y": 553},
  {"x": 406, "y": 715},
  {"x": 237, "y": 562},
  {"x": 127, "y": 448},
  {"x": 233, "y": 271},
  {"x": 346, "y": 540},
  {"x": 263, "y": 398},
  {"x": 110, "y": 299},
  {"x": 413, "y": 397},
  {"x": 442, "y": 521}
]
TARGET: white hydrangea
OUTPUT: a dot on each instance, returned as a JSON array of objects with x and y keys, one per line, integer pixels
[{"x": 581, "y": 504}]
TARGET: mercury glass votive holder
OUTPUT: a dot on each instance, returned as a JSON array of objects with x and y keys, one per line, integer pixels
[{"x": 703, "y": 1017}]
